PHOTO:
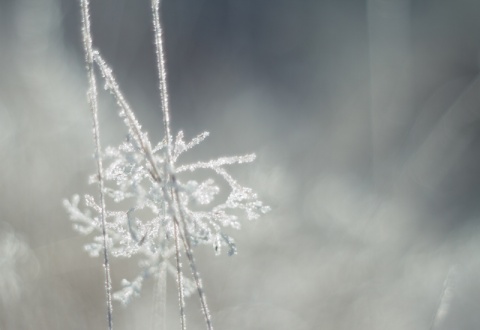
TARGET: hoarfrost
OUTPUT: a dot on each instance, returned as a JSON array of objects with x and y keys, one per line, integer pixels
[{"x": 139, "y": 177}]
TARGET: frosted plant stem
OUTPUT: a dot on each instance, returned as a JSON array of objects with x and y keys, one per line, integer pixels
[
  {"x": 93, "y": 103},
  {"x": 180, "y": 285},
  {"x": 131, "y": 121},
  {"x": 162, "y": 73},
  {"x": 198, "y": 283},
  {"x": 193, "y": 265}
]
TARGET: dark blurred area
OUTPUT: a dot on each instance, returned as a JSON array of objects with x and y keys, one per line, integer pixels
[{"x": 364, "y": 116}]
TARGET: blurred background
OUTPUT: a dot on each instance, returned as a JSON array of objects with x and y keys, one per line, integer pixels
[{"x": 364, "y": 116}]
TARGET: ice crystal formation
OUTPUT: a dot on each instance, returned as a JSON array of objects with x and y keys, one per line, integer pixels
[{"x": 131, "y": 182}]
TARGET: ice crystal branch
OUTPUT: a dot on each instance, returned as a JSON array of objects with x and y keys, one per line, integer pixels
[{"x": 160, "y": 213}]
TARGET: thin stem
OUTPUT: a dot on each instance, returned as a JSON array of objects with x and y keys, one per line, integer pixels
[
  {"x": 181, "y": 294},
  {"x": 93, "y": 103},
  {"x": 180, "y": 221},
  {"x": 193, "y": 266},
  {"x": 162, "y": 73},
  {"x": 196, "y": 277},
  {"x": 132, "y": 123}
]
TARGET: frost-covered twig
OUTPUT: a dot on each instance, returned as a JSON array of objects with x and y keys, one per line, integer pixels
[
  {"x": 162, "y": 73},
  {"x": 180, "y": 286},
  {"x": 92, "y": 100}
]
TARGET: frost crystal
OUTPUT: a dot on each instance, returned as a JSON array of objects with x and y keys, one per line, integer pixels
[{"x": 151, "y": 194}]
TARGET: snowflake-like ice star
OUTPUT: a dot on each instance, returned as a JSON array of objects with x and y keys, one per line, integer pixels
[{"x": 130, "y": 181}]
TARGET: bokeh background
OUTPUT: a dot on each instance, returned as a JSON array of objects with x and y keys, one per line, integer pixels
[{"x": 365, "y": 119}]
